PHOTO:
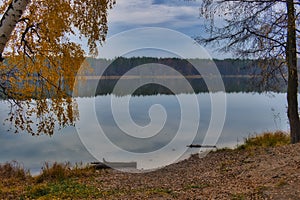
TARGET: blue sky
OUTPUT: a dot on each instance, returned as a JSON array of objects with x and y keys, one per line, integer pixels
[{"x": 179, "y": 15}]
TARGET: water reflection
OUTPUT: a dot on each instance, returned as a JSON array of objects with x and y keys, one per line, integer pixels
[
  {"x": 106, "y": 85},
  {"x": 247, "y": 113}
]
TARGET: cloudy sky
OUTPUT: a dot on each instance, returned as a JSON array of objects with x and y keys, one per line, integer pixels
[{"x": 178, "y": 15}]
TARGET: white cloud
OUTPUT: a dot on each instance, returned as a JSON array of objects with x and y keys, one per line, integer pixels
[{"x": 144, "y": 13}]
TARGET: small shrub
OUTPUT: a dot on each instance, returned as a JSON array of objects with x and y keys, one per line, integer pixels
[
  {"x": 54, "y": 172},
  {"x": 267, "y": 139},
  {"x": 13, "y": 170}
]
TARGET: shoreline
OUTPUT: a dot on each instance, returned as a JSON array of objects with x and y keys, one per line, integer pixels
[{"x": 258, "y": 173}]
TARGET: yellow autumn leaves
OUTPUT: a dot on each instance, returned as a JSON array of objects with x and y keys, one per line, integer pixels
[{"x": 42, "y": 59}]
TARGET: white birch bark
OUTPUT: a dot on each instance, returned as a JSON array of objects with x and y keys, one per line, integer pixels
[{"x": 9, "y": 20}]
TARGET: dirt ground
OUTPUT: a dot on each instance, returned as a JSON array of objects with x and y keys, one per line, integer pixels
[
  {"x": 262, "y": 173},
  {"x": 269, "y": 173}
]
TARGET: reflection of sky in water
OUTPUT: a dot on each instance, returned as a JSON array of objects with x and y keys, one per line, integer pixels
[
  {"x": 247, "y": 113},
  {"x": 139, "y": 109}
]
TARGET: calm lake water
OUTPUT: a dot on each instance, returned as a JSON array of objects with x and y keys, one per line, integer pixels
[{"x": 247, "y": 114}]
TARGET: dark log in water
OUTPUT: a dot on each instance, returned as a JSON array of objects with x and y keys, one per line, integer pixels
[
  {"x": 201, "y": 146},
  {"x": 105, "y": 165}
]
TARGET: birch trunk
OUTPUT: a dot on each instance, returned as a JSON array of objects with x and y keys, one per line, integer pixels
[{"x": 9, "y": 21}]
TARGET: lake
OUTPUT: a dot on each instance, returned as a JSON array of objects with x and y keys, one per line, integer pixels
[{"x": 246, "y": 114}]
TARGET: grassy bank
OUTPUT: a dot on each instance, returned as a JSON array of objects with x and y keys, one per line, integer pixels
[
  {"x": 264, "y": 164},
  {"x": 267, "y": 139}
]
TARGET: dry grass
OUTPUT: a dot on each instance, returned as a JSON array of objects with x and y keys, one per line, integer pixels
[
  {"x": 267, "y": 139},
  {"x": 13, "y": 170},
  {"x": 54, "y": 172},
  {"x": 62, "y": 171},
  {"x": 226, "y": 174}
]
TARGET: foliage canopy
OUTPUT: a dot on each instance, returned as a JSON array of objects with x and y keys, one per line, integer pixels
[{"x": 42, "y": 57}]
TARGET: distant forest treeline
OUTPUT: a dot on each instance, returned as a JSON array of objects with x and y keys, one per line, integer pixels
[
  {"x": 120, "y": 65},
  {"x": 237, "y": 76}
]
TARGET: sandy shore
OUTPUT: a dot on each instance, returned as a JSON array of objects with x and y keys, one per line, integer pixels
[
  {"x": 262, "y": 173},
  {"x": 271, "y": 173}
]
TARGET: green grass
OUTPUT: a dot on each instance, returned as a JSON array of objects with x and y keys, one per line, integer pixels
[
  {"x": 267, "y": 139},
  {"x": 63, "y": 189}
]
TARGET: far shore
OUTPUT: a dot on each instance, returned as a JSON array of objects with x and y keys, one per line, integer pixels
[{"x": 129, "y": 77}]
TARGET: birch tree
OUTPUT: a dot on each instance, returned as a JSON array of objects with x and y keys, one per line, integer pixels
[
  {"x": 264, "y": 30},
  {"x": 39, "y": 59}
]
